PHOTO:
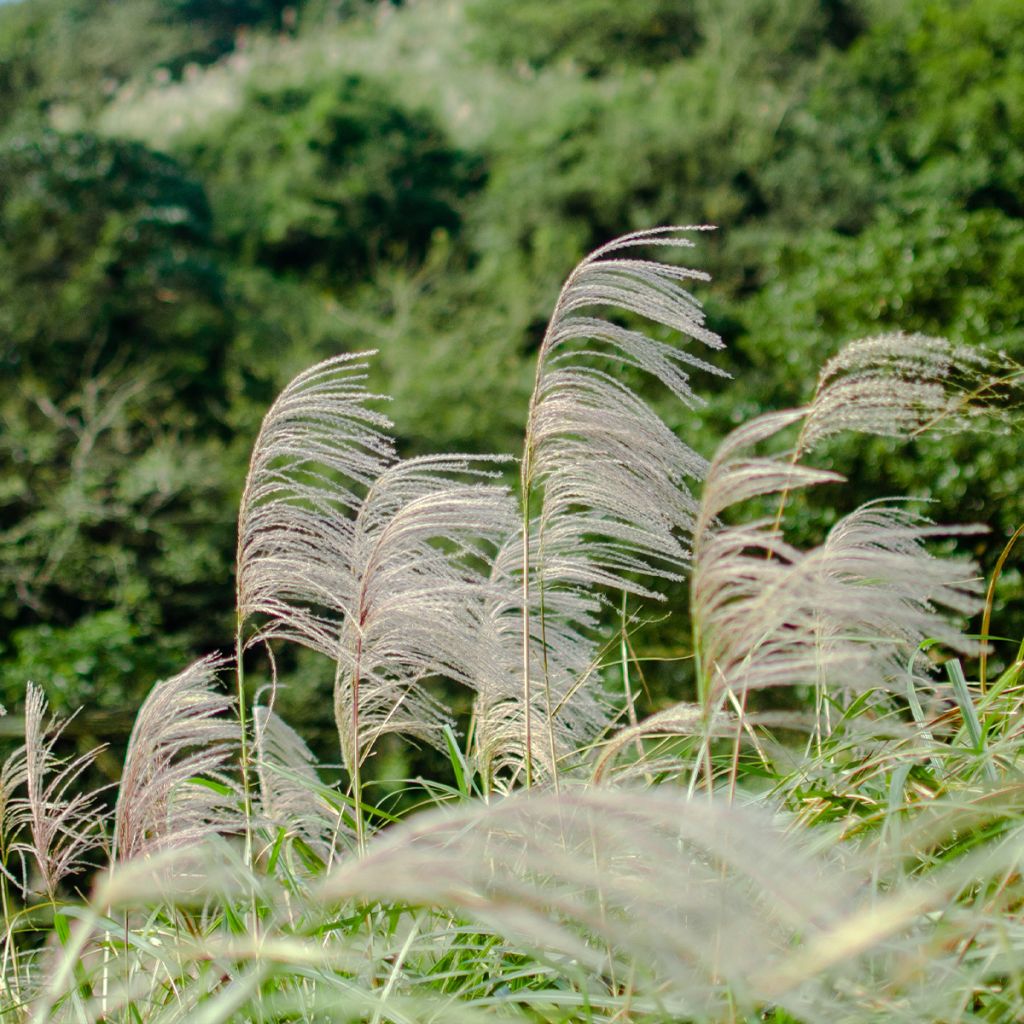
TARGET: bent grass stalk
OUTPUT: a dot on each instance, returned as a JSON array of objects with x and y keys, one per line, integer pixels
[{"x": 986, "y": 619}]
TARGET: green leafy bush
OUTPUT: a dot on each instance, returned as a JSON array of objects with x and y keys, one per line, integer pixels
[
  {"x": 106, "y": 245},
  {"x": 70, "y": 56},
  {"x": 648, "y": 32},
  {"x": 327, "y": 177},
  {"x": 113, "y": 335}
]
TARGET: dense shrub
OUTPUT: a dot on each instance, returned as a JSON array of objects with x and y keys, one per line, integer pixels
[
  {"x": 113, "y": 332},
  {"x": 328, "y": 178},
  {"x": 73, "y": 55}
]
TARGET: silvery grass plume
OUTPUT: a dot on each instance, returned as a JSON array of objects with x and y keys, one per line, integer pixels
[
  {"x": 416, "y": 608},
  {"x": 675, "y": 903},
  {"x": 855, "y": 610},
  {"x": 566, "y": 707},
  {"x": 318, "y": 446},
  {"x": 608, "y": 480},
  {"x": 13, "y": 813},
  {"x": 605, "y": 466},
  {"x": 64, "y": 823},
  {"x": 899, "y": 385},
  {"x": 851, "y": 612},
  {"x": 176, "y": 789},
  {"x": 291, "y": 793},
  {"x": 380, "y": 564}
]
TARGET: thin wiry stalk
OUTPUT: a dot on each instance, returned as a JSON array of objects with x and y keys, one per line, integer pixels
[
  {"x": 64, "y": 825},
  {"x": 527, "y": 693},
  {"x": 175, "y": 790},
  {"x": 243, "y": 729},
  {"x": 13, "y": 818},
  {"x": 13, "y": 813},
  {"x": 612, "y": 479},
  {"x": 986, "y": 619}
]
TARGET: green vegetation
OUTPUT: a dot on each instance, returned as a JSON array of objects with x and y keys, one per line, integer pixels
[
  {"x": 326, "y": 179},
  {"x": 198, "y": 200},
  {"x": 115, "y": 332}
]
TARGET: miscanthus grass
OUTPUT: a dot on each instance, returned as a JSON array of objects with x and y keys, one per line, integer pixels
[{"x": 856, "y": 860}]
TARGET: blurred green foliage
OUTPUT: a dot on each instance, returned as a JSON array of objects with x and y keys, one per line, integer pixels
[
  {"x": 75, "y": 54},
  {"x": 328, "y": 178},
  {"x": 87, "y": 662},
  {"x": 596, "y": 34},
  {"x": 418, "y": 178},
  {"x": 106, "y": 258},
  {"x": 113, "y": 332}
]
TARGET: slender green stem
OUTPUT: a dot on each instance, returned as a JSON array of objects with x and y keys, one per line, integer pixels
[
  {"x": 986, "y": 619},
  {"x": 703, "y": 690},
  {"x": 625, "y": 655},
  {"x": 548, "y": 708},
  {"x": 526, "y": 487},
  {"x": 10, "y": 949},
  {"x": 243, "y": 757}
]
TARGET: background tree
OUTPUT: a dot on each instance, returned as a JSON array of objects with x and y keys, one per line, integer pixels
[{"x": 115, "y": 521}]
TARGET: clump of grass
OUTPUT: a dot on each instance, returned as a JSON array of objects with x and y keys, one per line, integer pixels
[{"x": 712, "y": 862}]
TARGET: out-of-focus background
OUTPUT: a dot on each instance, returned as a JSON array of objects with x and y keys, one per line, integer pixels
[{"x": 198, "y": 198}]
